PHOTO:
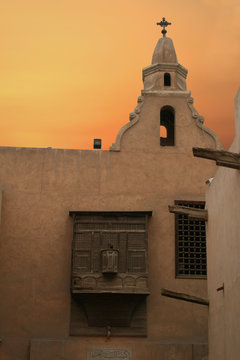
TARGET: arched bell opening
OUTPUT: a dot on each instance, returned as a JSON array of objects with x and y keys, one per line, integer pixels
[{"x": 167, "y": 126}]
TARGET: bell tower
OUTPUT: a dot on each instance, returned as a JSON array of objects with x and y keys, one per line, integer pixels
[{"x": 164, "y": 119}]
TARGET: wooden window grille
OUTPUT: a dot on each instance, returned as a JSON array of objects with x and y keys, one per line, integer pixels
[
  {"x": 190, "y": 235},
  {"x": 82, "y": 261},
  {"x": 136, "y": 262}
]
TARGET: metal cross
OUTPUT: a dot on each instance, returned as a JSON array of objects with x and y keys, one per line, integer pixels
[{"x": 164, "y": 24}]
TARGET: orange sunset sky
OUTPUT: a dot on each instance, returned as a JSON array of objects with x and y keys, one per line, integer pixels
[{"x": 71, "y": 70}]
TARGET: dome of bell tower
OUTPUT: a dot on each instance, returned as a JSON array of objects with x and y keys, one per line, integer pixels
[{"x": 164, "y": 52}]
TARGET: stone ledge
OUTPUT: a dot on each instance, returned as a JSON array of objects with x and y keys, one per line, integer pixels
[{"x": 166, "y": 93}]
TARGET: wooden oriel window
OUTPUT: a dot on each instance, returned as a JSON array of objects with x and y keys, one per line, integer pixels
[
  {"x": 190, "y": 237},
  {"x": 109, "y": 273},
  {"x": 109, "y": 243}
]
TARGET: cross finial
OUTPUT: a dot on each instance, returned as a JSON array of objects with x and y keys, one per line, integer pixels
[{"x": 164, "y": 24}]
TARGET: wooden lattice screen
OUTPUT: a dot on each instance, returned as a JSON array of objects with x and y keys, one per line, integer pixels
[{"x": 191, "y": 256}]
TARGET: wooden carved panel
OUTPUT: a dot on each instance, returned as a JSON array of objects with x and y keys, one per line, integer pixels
[
  {"x": 109, "y": 354},
  {"x": 110, "y": 261}
]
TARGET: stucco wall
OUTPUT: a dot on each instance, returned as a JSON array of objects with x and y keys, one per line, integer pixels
[
  {"x": 41, "y": 186},
  {"x": 223, "y": 203}
]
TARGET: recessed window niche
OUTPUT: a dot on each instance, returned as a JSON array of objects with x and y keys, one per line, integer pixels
[{"x": 167, "y": 79}]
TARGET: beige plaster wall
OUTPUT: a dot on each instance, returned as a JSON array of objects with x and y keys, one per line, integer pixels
[
  {"x": 41, "y": 186},
  {"x": 223, "y": 203}
]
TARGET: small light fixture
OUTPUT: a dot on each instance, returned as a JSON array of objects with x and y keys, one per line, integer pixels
[
  {"x": 208, "y": 181},
  {"x": 97, "y": 143}
]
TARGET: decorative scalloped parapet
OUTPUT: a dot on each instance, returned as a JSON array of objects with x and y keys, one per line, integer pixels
[
  {"x": 134, "y": 116},
  {"x": 133, "y": 119},
  {"x": 200, "y": 120}
]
